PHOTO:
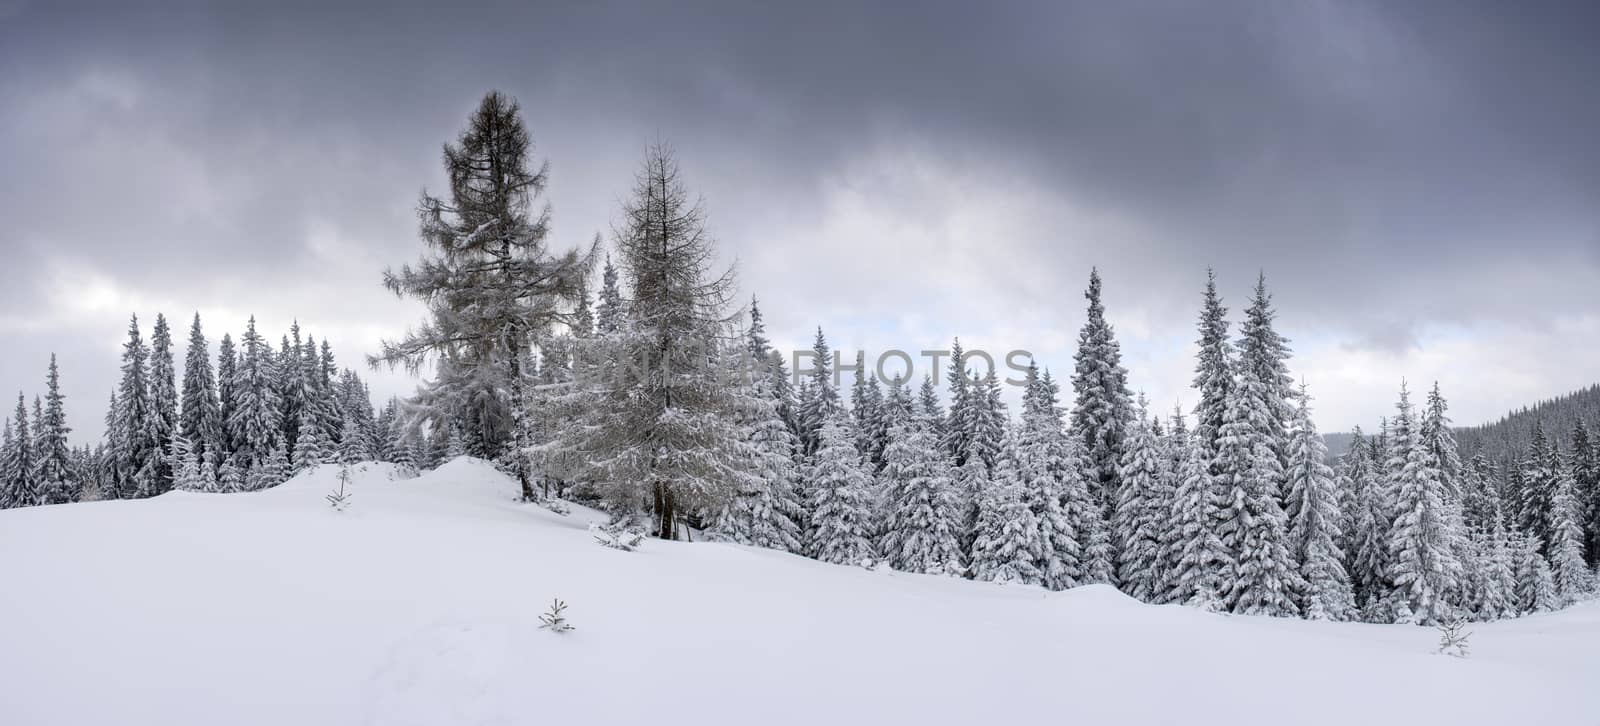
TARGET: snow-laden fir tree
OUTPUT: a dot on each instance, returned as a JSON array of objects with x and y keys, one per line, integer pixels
[
  {"x": 254, "y": 426},
  {"x": 1539, "y": 472},
  {"x": 311, "y": 446},
  {"x": 1102, "y": 408},
  {"x": 928, "y": 405},
  {"x": 19, "y": 461},
  {"x": 274, "y": 470},
  {"x": 1495, "y": 577},
  {"x": 185, "y": 464},
  {"x": 156, "y": 475},
  {"x": 842, "y": 518},
  {"x": 208, "y": 472},
  {"x": 1254, "y": 529},
  {"x": 1089, "y": 522},
  {"x": 199, "y": 418},
  {"x": 1265, "y": 353},
  {"x": 922, "y": 514},
  {"x": 1574, "y": 580},
  {"x": 970, "y": 480},
  {"x": 1438, "y": 436},
  {"x": 609, "y": 314},
  {"x": 1201, "y": 566},
  {"x": 130, "y": 433},
  {"x": 767, "y": 510},
  {"x": 984, "y": 419},
  {"x": 53, "y": 477},
  {"x": 955, "y": 429},
  {"x": 489, "y": 279},
  {"x": 1213, "y": 374},
  {"x": 1174, "y": 446},
  {"x": 1422, "y": 541},
  {"x": 1054, "y": 486},
  {"x": 1315, "y": 520},
  {"x": 8, "y": 497},
  {"x": 227, "y": 402},
  {"x": 1141, "y": 513},
  {"x": 819, "y": 399},
  {"x": 230, "y": 478},
  {"x": 1536, "y": 583},
  {"x": 866, "y": 410},
  {"x": 1006, "y": 541},
  {"x": 658, "y": 424},
  {"x": 1370, "y": 518}
]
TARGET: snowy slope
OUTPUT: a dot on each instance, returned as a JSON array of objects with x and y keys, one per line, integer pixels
[{"x": 420, "y": 605}]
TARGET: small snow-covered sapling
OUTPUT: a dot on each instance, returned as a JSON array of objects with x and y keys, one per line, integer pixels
[
  {"x": 554, "y": 620},
  {"x": 1453, "y": 637},
  {"x": 339, "y": 499}
]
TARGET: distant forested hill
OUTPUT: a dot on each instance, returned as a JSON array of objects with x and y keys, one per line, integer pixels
[{"x": 1511, "y": 433}]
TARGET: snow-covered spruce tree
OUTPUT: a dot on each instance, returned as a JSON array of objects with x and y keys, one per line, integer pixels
[
  {"x": 609, "y": 315},
  {"x": 254, "y": 426},
  {"x": 1536, "y": 584},
  {"x": 1102, "y": 409},
  {"x": 1054, "y": 486},
  {"x": 1315, "y": 520},
  {"x": 311, "y": 446},
  {"x": 955, "y": 429},
  {"x": 1498, "y": 579},
  {"x": 922, "y": 515},
  {"x": 488, "y": 278},
  {"x": 1201, "y": 565},
  {"x": 19, "y": 461},
  {"x": 1585, "y": 465},
  {"x": 156, "y": 475},
  {"x": 227, "y": 402},
  {"x": 274, "y": 470},
  {"x": 8, "y": 498},
  {"x": 1213, "y": 374},
  {"x": 866, "y": 410},
  {"x": 766, "y": 511},
  {"x": 1533, "y": 500},
  {"x": 984, "y": 419},
  {"x": 928, "y": 405},
  {"x": 352, "y": 446},
  {"x": 819, "y": 400},
  {"x": 1423, "y": 542},
  {"x": 1006, "y": 541},
  {"x": 1088, "y": 519},
  {"x": 129, "y": 434},
  {"x": 1254, "y": 530},
  {"x": 1264, "y": 353},
  {"x": 969, "y": 481},
  {"x": 230, "y": 478},
  {"x": 842, "y": 523},
  {"x": 1141, "y": 512},
  {"x": 659, "y": 420},
  {"x": 1574, "y": 580},
  {"x": 1175, "y": 442},
  {"x": 1438, "y": 436},
  {"x": 53, "y": 477},
  {"x": 300, "y": 397},
  {"x": 208, "y": 472},
  {"x": 1370, "y": 520},
  {"x": 185, "y": 463},
  {"x": 199, "y": 419}
]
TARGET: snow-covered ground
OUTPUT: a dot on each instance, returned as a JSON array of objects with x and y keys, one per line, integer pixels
[{"x": 420, "y": 605}]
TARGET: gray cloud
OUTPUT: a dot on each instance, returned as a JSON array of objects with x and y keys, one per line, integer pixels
[{"x": 897, "y": 173}]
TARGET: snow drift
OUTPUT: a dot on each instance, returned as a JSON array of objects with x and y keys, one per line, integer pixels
[{"x": 420, "y": 604}]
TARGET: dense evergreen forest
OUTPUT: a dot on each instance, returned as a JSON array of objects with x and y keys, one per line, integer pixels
[{"x": 631, "y": 374}]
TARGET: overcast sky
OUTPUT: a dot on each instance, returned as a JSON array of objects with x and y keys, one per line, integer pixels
[{"x": 1419, "y": 181}]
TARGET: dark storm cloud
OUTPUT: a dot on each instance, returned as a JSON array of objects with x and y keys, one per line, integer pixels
[{"x": 1390, "y": 165}]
